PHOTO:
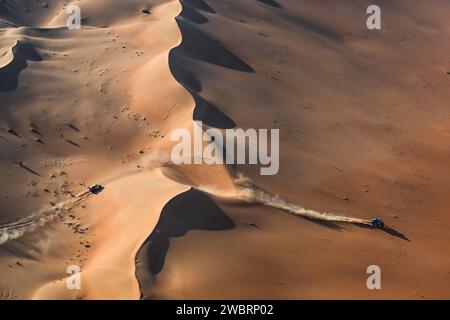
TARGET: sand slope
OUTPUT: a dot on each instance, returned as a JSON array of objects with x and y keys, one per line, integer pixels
[
  {"x": 363, "y": 119},
  {"x": 74, "y": 117}
]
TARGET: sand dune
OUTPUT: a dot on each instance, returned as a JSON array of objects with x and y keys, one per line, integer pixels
[
  {"x": 174, "y": 223},
  {"x": 22, "y": 51},
  {"x": 91, "y": 131},
  {"x": 323, "y": 99},
  {"x": 363, "y": 120}
]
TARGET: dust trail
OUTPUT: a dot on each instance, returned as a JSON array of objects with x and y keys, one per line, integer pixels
[
  {"x": 245, "y": 190},
  {"x": 249, "y": 192},
  {"x": 15, "y": 229}
]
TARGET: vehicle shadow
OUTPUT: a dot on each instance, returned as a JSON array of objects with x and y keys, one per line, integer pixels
[{"x": 387, "y": 230}]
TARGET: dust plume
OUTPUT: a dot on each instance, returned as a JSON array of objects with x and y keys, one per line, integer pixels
[{"x": 249, "y": 192}]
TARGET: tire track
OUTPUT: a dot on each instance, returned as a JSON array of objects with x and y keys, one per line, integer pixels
[{"x": 15, "y": 229}]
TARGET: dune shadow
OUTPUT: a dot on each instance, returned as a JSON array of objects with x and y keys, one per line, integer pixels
[
  {"x": 7, "y": 14},
  {"x": 199, "y": 46},
  {"x": 192, "y": 15},
  {"x": 13, "y": 132},
  {"x": 9, "y": 74},
  {"x": 35, "y": 131},
  {"x": 73, "y": 127},
  {"x": 180, "y": 69},
  {"x": 204, "y": 110},
  {"x": 210, "y": 115},
  {"x": 271, "y": 3},
  {"x": 23, "y": 166},
  {"x": 73, "y": 143},
  {"x": 198, "y": 4},
  {"x": 191, "y": 210}
]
